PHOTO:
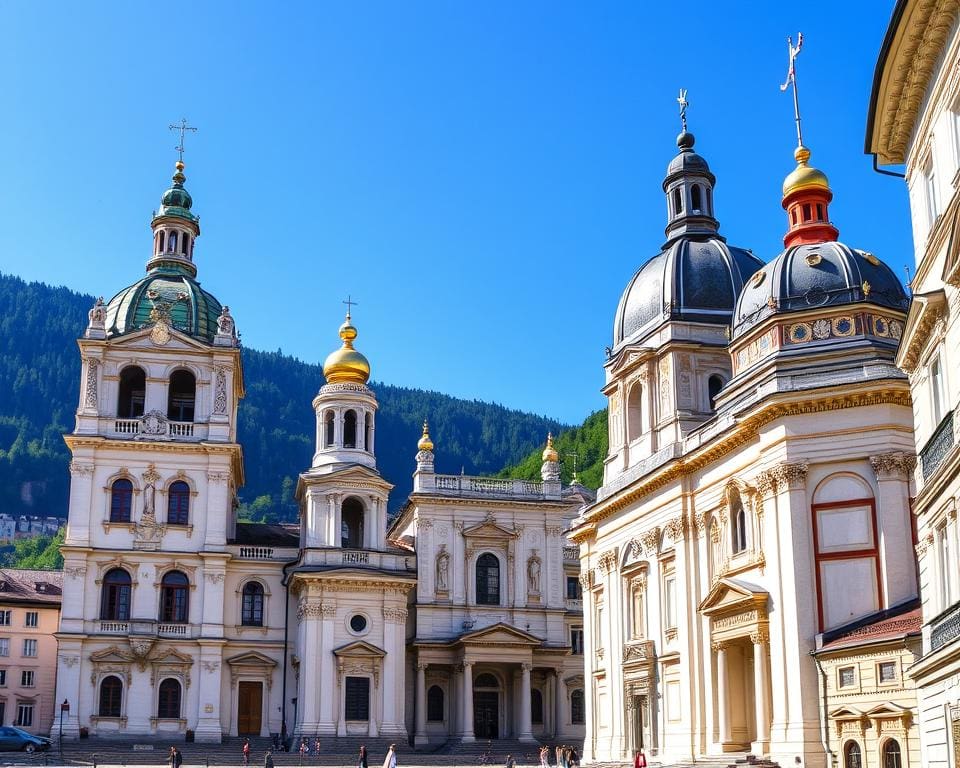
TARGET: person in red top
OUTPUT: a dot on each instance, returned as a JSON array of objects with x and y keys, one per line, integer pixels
[{"x": 246, "y": 751}]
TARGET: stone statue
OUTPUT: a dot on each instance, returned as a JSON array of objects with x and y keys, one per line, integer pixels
[
  {"x": 533, "y": 574},
  {"x": 98, "y": 312},
  {"x": 225, "y": 324},
  {"x": 443, "y": 566}
]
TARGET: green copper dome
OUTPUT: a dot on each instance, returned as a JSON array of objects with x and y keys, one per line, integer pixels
[
  {"x": 176, "y": 201},
  {"x": 168, "y": 292}
]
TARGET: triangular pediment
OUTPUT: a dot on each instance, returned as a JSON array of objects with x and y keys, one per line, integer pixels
[
  {"x": 359, "y": 649},
  {"x": 171, "y": 656},
  {"x": 113, "y": 654},
  {"x": 846, "y": 713},
  {"x": 251, "y": 659},
  {"x": 489, "y": 529},
  {"x": 344, "y": 477},
  {"x": 888, "y": 709},
  {"x": 627, "y": 358},
  {"x": 142, "y": 339},
  {"x": 499, "y": 634},
  {"x": 729, "y": 595}
]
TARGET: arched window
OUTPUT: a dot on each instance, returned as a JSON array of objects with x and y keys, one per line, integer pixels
[
  {"x": 178, "y": 503},
  {"x": 368, "y": 432},
  {"x": 486, "y": 680},
  {"x": 435, "y": 704},
  {"x": 351, "y": 524},
  {"x": 350, "y": 429},
  {"x": 162, "y": 240},
  {"x": 488, "y": 580},
  {"x": 121, "y": 500},
  {"x": 252, "y": 608},
  {"x": 111, "y": 696},
  {"x": 115, "y": 595},
  {"x": 174, "y": 598},
  {"x": 793, "y": 215},
  {"x": 172, "y": 243},
  {"x": 133, "y": 390},
  {"x": 891, "y": 754},
  {"x": 714, "y": 385},
  {"x": 635, "y": 412},
  {"x": 577, "y": 716},
  {"x": 536, "y": 706},
  {"x": 695, "y": 198},
  {"x": 328, "y": 421},
  {"x": 181, "y": 396},
  {"x": 738, "y": 522},
  {"x": 185, "y": 248},
  {"x": 709, "y": 209},
  {"x": 168, "y": 700},
  {"x": 677, "y": 202},
  {"x": 851, "y": 755}
]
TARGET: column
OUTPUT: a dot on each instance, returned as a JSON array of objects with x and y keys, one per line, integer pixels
[
  {"x": 308, "y": 689},
  {"x": 559, "y": 720},
  {"x": 723, "y": 720},
  {"x": 208, "y": 721},
  {"x": 759, "y": 639},
  {"x": 897, "y": 563},
  {"x": 468, "y": 701},
  {"x": 81, "y": 507},
  {"x": 332, "y": 697},
  {"x": 526, "y": 726},
  {"x": 392, "y": 681},
  {"x": 420, "y": 732}
]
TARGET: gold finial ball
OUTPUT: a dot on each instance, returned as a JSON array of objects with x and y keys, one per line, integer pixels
[
  {"x": 346, "y": 364},
  {"x": 804, "y": 176},
  {"x": 179, "y": 165},
  {"x": 550, "y": 453},
  {"x": 801, "y": 154},
  {"x": 348, "y": 332},
  {"x": 425, "y": 443}
]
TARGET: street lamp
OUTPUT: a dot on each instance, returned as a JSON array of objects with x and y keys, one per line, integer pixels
[{"x": 64, "y": 708}]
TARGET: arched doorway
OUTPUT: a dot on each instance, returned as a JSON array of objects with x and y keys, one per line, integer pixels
[{"x": 486, "y": 706}]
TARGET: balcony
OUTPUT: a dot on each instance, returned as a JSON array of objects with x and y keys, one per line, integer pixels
[
  {"x": 113, "y": 627},
  {"x": 574, "y": 605},
  {"x": 173, "y": 630},
  {"x": 255, "y": 552},
  {"x": 153, "y": 426},
  {"x": 945, "y": 628},
  {"x": 360, "y": 558},
  {"x": 938, "y": 447}
]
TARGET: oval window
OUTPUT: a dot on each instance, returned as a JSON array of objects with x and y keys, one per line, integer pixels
[{"x": 358, "y": 622}]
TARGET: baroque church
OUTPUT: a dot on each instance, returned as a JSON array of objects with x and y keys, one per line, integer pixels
[
  {"x": 748, "y": 567},
  {"x": 459, "y": 618}
]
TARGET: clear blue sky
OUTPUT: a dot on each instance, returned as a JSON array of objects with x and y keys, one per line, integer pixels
[{"x": 483, "y": 177}]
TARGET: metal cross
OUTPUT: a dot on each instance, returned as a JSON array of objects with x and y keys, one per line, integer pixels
[
  {"x": 576, "y": 456},
  {"x": 350, "y": 304},
  {"x": 793, "y": 51},
  {"x": 183, "y": 128},
  {"x": 682, "y": 101}
]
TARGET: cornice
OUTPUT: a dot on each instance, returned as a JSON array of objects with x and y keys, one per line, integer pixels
[{"x": 747, "y": 428}]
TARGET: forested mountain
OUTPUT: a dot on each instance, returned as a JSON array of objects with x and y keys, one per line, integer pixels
[
  {"x": 583, "y": 447},
  {"x": 39, "y": 380}
]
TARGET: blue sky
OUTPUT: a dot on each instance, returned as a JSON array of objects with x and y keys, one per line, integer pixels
[{"x": 483, "y": 177}]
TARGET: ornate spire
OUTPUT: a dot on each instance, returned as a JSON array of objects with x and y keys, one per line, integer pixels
[
  {"x": 346, "y": 364},
  {"x": 550, "y": 469},
  {"x": 425, "y": 443},
  {"x": 175, "y": 226}
]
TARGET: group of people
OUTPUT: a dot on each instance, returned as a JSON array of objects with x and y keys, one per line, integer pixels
[
  {"x": 390, "y": 761},
  {"x": 566, "y": 757}
]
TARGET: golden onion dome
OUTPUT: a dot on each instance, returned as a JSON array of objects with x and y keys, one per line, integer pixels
[
  {"x": 804, "y": 176},
  {"x": 346, "y": 364},
  {"x": 550, "y": 453},
  {"x": 425, "y": 443}
]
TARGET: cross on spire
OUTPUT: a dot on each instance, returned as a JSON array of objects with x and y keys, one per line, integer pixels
[
  {"x": 183, "y": 128},
  {"x": 793, "y": 51},
  {"x": 682, "y": 101},
  {"x": 350, "y": 304}
]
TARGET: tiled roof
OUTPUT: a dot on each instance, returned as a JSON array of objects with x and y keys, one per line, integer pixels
[
  {"x": 266, "y": 535},
  {"x": 29, "y": 586},
  {"x": 885, "y": 628}
]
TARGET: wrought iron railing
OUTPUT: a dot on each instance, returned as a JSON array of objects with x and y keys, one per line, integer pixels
[
  {"x": 939, "y": 445},
  {"x": 945, "y": 628}
]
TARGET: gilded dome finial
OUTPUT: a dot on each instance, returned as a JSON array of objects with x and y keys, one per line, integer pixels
[
  {"x": 425, "y": 443},
  {"x": 346, "y": 364},
  {"x": 550, "y": 453}
]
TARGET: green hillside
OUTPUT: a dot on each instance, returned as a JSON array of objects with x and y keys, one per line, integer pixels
[{"x": 39, "y": 380}]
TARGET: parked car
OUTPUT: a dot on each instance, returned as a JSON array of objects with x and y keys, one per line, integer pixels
[{"x": 14, "y": 740}]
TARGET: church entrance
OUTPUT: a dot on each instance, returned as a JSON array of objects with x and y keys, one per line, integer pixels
[
  {"x": 249, "y": 708},
  {"x": 486, "y": 714}
]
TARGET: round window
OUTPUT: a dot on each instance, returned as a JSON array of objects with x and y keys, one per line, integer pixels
[{"x": 358, "y": 622}]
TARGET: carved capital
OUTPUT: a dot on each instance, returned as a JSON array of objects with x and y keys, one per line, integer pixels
[
  {"x": 394, "y": 615},
  {"x": 792, "y": 476},
  {"x": 526, "y": 667},
  {"x": 700, "y": 523},
  {"x": 651, "y": 540},
  {"x": 78, "y": 469},
  {"x": 760, "y": 636},
  {"x": 719, "y": 646},
  {"x": 766, "y": 482},
  {"x": 608, "y": 561},
  {"x": 676, "y": 529},
  {"x": 893, "y": 465}
]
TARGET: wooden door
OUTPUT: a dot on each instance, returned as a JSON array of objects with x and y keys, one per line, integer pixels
[
  {"x": 249, "y": 708},
  {"x": 486, "y": 714}
]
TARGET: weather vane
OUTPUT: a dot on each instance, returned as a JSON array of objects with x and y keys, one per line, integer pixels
[
  {"x": 794, "y": 51},
  {"x": 682, "y": 101},
  {"x": 572, "y": 454},
  {"x": 350, "y": 304},
  {"x": 183, "y": 128}
]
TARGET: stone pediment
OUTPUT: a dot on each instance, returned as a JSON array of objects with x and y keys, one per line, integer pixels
[
  {"x": 348, "y": 476},
  {"x": 489, "y": 529},
  {"x": 500, "y": 634},
  {"x": 111, "y": 655},
  {"x": 926, "y": 310},
  {"x": 846, "y": 713},
  {"x": 251, "y": 659},
  {"x": 729, "y": 596},
  {"x": 627, "y": 358},
  {"x": 888, "y": 709},
  {"x": 359, "y": 650},
  {"x": 143, "y": 339},
  {"x": 171, "y": 656}
]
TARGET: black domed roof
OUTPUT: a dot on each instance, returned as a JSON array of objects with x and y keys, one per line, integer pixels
[
  {"x": 691, "y": 279},
  {"x": 815, "y": 275},
  {"x": 687, "y": 161}
]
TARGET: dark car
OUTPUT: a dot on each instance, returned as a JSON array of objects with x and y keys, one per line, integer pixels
[{"x": 14, "y": 740}]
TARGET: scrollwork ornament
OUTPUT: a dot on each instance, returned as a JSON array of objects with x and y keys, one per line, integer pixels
[
  {"x": 220, "y": 392},
  {"x": 90, "y": 389}
]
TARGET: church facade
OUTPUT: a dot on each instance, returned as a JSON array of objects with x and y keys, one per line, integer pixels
[
  {"x": 755, "y": 508},
  {"x": 460, "y": 619}
]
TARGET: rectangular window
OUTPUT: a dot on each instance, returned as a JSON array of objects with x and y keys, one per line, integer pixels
[
  {"x": 670, "y": 600},
  {"x": 937, "y": 391},
  {"x": 576, "y": 640},
  {"x": 27, "y": 678},
  {"x": 32, "y": 619},
  {"x": 887, "y": 672},
  {"x": 29, "y": 647},
  {"x": 24, "y": 715},
  {"x": 574, "y": 590},
  {"x": 6, "y": 618},
  {"x": 4, "y": 646},
  {"x": 3, "y": 677},
  {"x": 930, "y": 192},
  {"x": 944, "y": 565},
  {"x": 357, "y": 698},
  {"x": 846, "y": 677}
]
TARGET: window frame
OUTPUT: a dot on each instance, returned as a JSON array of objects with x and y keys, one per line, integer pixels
[
  {"x": 116, "y": 711},
  {"x": 28, "y": 678},
  {"x": 24, "y": 707},
  {"x": 121, "y": 500},
  {"x": 165, "y": 701},
  {"x": 31, "y": 619},
  {"x": 179, "y": 494},
  {"x": 252, "y": 615},
  {"x": 856, "y": 677},
  {"x": 489, "y": 579},
  {"x": 116, "y": 597},
  {"x": 32, "y": 644},
  {"x": 174, "y": 599}
]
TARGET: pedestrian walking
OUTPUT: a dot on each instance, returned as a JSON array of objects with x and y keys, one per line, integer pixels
[
  {"x": 362, "y": 760},
  {"x": 316, "y": 746},
  {"x": 390, "y": 761},
  {"x": 559, "y": 754},
  {"x": 246, "y": 751},
  {"x": 175, "y": 759},
  {"x": 510, "y": 762},
  {"x": 268, "y": 759},
  {"x": 544, "y": 756},
  {"x": 304, "y": 749}
]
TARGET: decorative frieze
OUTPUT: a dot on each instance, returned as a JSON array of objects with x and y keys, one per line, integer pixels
[
  {"x": 218, "y": 477},
  {"x": 924, "y": 544},
  {"x": 395, "y": 615}
]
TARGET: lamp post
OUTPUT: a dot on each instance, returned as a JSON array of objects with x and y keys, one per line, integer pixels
[{"x": 64, "y": 709}]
